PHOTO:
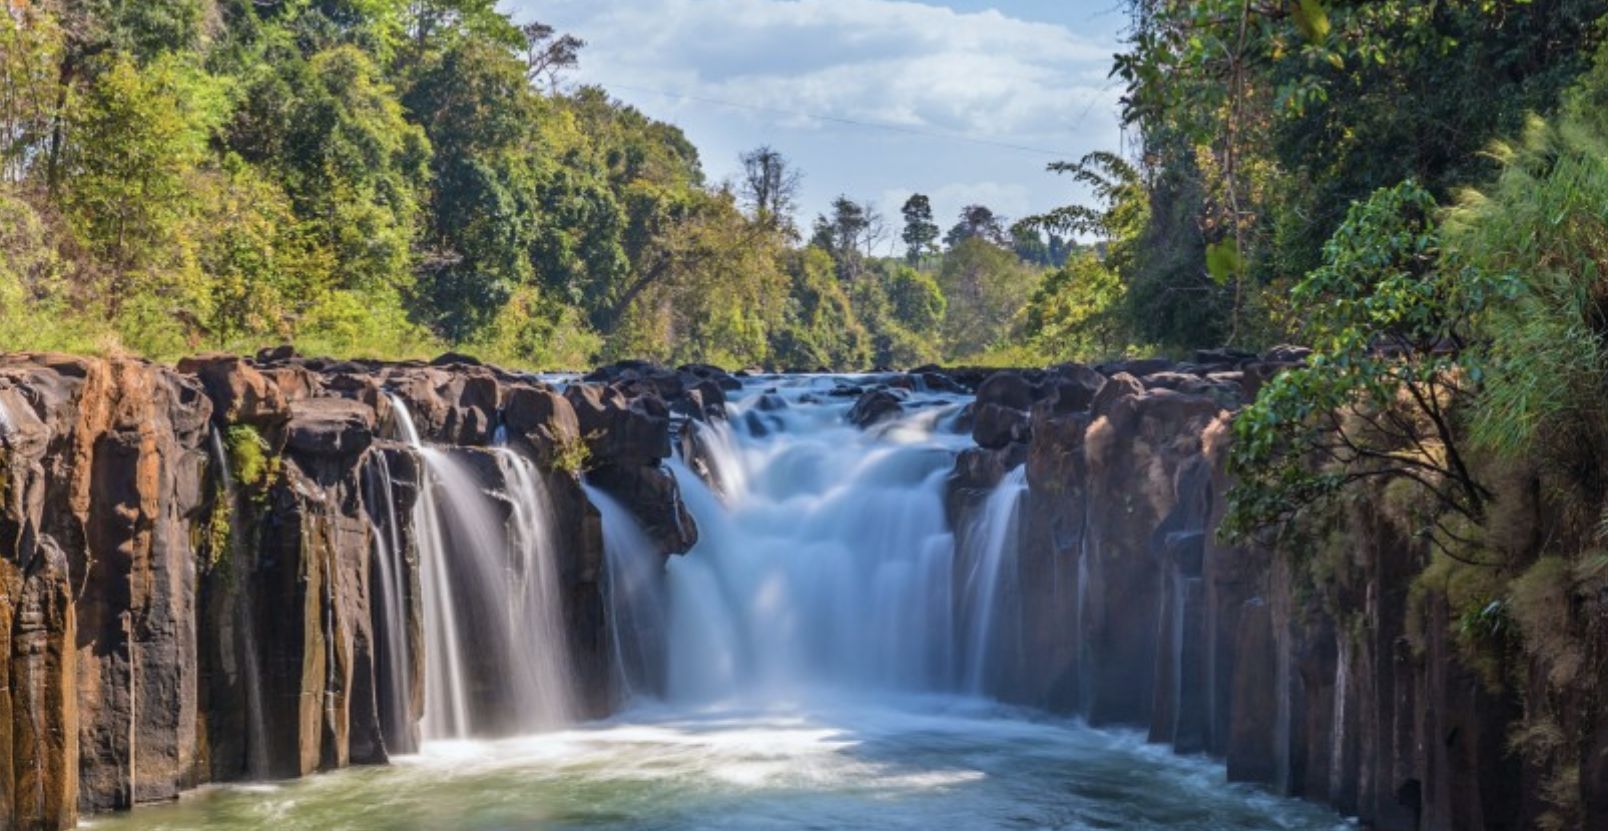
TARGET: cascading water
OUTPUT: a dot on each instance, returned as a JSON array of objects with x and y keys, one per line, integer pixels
[
  {"x": 495, "y": 656},
  {"x": 993, "y": 545},
  {"x": 245, "y": 621},
  {"x": 634, "y": 598},
  {"x": 391, "y": 601},
  {"x": 824, "y": 558}
]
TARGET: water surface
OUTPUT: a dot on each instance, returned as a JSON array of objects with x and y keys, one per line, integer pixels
[{"x": 918, "y": 762}]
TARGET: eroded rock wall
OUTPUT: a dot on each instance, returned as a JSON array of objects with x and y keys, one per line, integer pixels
[
  {"x": 190, "y": 557},
  {"x": 1324, "y": 668}
]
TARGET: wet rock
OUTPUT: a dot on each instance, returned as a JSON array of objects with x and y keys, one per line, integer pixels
[
  {"x": 995, "y": 426},
  {"x": 330, "y": 427},
  {"x": 1007, "y": 389},
  {"x": 544, "y": 419},
  {"x": 652, "y": 495},
  {"x": 875, "y": 407},
  {"x": 621, "y": 430},
  {"x": 770, "y": 402}
]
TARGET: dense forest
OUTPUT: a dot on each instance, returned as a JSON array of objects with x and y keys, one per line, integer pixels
[{"x": 398, "y": 177}]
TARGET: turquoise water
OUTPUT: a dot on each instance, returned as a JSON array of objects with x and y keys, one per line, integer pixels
[{"x": 885, "y": 763}]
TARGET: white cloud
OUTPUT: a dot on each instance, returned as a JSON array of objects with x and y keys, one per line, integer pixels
[
  {"x": 960, "y": 89},
  {"x": 981, "y": 74}
]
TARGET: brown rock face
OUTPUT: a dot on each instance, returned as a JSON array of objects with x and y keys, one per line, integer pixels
[
  {"x": 212, "y": 572},
  {"x": 1226, "y": 650},
  {"x": 103, "y": 463}
]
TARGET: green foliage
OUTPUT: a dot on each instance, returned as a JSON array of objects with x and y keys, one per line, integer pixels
[
  {"x": 987, "y": 289},
  {"x": 1263, "y": 123},
  {"x": 249, "y": 458},
  {"x": 1544, "y": 225},
  {"x": 1394, "y": 361},
  {"x": 1076, "y": 314},
  {"x": 140, "y": 135}
]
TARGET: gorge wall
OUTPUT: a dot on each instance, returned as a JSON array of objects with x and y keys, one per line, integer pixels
[
  {"x": 211, "y": 572},
  {"x": 1326, "y": 668}
]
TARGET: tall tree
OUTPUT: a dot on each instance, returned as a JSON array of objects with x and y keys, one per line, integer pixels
[
  {"x": 548, "y": 54},
  {"x": 920, "y": 232}
]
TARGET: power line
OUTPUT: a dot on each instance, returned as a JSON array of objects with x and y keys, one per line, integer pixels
[{"x": 873, "y": 125}]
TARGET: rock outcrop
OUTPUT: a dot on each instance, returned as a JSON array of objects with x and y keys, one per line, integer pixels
[
  {"x": 192, "y": 558},
  {"x": 1343, "y": 688}
]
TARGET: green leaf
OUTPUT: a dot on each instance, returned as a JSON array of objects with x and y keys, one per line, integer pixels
[
  {"x": 1312, "y": 18},
  {"x": 1223, "y": 261}
]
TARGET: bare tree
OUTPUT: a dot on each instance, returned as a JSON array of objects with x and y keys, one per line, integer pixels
[
  {"x": 770, "y": 186},
  {"x": 548, "y": 54}
]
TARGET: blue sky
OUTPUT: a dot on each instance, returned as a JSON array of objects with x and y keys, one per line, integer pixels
[{"x": 958, "y": 79}]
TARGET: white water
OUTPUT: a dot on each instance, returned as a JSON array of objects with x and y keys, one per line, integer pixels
[
  {"x": 989, "y": 580},
  {"x": 391, "y": 595},
  {"x": 825, "y": 561},
  {"x": 245, "y": 620},
  {"x": 495, "y": 655},
  {"x": 7, "y": 426},
  {"x": 893, "y": 762}
]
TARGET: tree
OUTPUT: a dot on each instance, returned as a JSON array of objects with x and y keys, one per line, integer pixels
[
  {"x": 920, "y": 232},
  {"x": 336, "y": 135},
  {"x": 548, "y": 55},
  {"x": 987, "y": 289},
  {"x": 977, "y": 222},
  {"x": 770, "y": 186},
  {"x": 850, "y": 235},
  {"x": 477, "y": 113},
  {"x": 1396, "y": 357},
  {"x": 1077, "y": 314},
  {"x": 914, "y": 297},
  {"x": 138, "y": 136}
]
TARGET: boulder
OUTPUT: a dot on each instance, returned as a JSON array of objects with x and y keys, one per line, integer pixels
[
  {"x": 621, "y": 430},
  {"x": 329, "y": 427},
  {"x": 240, "y": 394},
  {"x": 543, "y": 418},
  {"x": 875, "y": 407},
  {"x": 1007, "y": 389},
  {"x": 995, "y": 426}
]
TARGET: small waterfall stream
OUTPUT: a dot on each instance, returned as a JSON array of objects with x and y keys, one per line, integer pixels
[
  {"x": 994, "y": 545},
  {"x": 495, "y": 655},
  {"x": 250, "y": 657},
  {"x": 391, "y": 600}
]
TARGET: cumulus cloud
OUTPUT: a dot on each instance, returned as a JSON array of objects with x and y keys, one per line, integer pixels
[
  {"x": 981, "y": 74},
  {"x": 739, "y": 73}
]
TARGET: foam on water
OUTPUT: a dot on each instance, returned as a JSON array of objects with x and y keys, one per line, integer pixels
[{"x": 886, "y": 762}]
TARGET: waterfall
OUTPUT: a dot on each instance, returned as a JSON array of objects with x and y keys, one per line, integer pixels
[
  {"x": 633, "y": 598},
  {"x": 245, "y": 619},
  {"x": 495, "y": 654},
  {"x": 7, "y": 426},
  {"x": 391, "y": 601},
  {"x": 993, "y": 550},
  {"x": 535, "y": 599},
  {"x": 824, "y": 560}
]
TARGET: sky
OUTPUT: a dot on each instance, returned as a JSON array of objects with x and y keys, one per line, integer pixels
[{"x": 969, "y": 99}]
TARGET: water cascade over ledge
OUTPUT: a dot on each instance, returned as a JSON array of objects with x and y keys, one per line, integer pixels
[{"x": 495, "y": 656}]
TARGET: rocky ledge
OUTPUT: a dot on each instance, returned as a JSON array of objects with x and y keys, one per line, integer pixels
[
  {"x": 151, "y": 517},
  {"x": 1326, "y": 670}
]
